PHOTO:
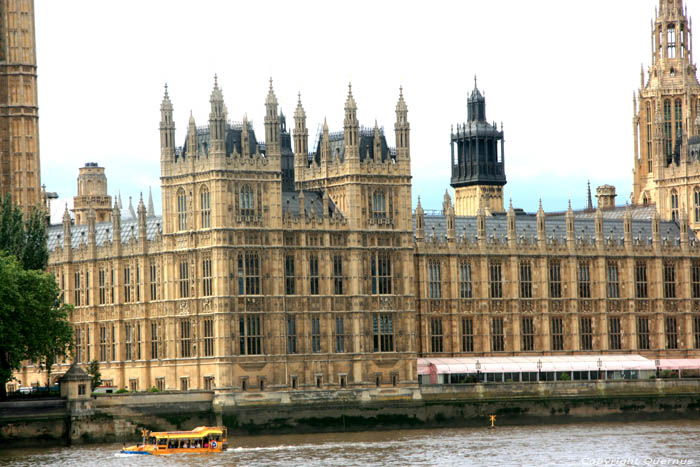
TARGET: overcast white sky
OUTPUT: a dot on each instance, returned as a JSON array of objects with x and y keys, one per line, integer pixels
[{"x": 559, "y": 74}]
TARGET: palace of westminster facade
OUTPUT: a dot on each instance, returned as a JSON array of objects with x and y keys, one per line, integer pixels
[{"x": 276, "y": 266}]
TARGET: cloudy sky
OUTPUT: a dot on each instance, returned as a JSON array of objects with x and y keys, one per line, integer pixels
[{"x": 559, "y": 74}]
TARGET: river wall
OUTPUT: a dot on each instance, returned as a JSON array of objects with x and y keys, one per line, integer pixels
[{"x": 120, "y": 417}]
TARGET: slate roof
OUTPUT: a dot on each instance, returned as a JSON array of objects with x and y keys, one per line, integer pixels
[
  {"x": 337, "y": 142},
  {"x": 526, "y": 226},
  {"x": 313, "y": 201},
  {"x": 638, "y": 212},
  {"x": 75, "y": 373},
  {"x": 233, "y": 140},
  {"x": 103, "y": 234}
]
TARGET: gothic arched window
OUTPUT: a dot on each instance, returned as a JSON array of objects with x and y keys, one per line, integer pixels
[
  {"x": 247, "y": 201},
  {"x": 679, "y": 119},
  {"x": 668, "y": 138},
  {"x": 671, "y": 41},
  {"x": 205, "y": 207},
  {"x": 649, "y": 138},
  {"x": 697, "y": 204},
  {"x": 674, "y": 205},
  {"x": 181, "y": 210},
  {"x": 379, "y": 204}
]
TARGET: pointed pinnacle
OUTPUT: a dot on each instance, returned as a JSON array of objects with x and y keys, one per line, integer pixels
[{"x": 216, "y": 81}]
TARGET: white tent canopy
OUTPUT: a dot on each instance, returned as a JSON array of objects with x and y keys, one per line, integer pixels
[{"x": 530, "y": 364}]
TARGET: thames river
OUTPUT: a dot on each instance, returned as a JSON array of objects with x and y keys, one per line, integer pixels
[{"x": 633, "y": 443}]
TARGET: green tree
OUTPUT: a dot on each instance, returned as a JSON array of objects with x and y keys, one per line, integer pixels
[
  {"x": 95, "y": 375},
  {"x": 33, "y": 321},
  {"x": 26, "y": 241}
]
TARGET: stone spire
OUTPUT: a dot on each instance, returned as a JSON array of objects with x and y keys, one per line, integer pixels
[
  {"x": 377, "y": 143},
  {"x": 272, "y": 123},
  {"x": 151, "y": 209},
  {"x": 217, "y": 121},
  {"x": 301, "y": 139},
  {"x": 570, "y": 226},
  {"x": 420, "y": 222},
  {"x": 132, "y": 213},
  {"x": 589, "y": 201},
  {"x": 510, "y": 219},
  {"x": 628, "y": 227},
  {"x": 402, "y": 129},
  {"x": 167, "y": 129},
  {"x": 117, "y": 223},
  {"x": 141, "y": 210},
  {"x": 352, "y": 128},
  {"x": 326, "y": 153},
  {"x": 67, "y": 229},
  {"x": 192, "y": 138},
  {"x": 599, "y": 229}
]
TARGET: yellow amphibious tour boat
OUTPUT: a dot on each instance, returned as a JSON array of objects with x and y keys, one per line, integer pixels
[{"x": 203, "y": 439}]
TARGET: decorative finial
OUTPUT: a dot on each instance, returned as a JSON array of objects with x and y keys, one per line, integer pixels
[
  {"x": 270, "y": 83},
  {"x": 475, "y": 86},
  {"x": 166, "y": 88},
  {"x": 216, "y": 81},
  {"x": 401, "y": 91}
]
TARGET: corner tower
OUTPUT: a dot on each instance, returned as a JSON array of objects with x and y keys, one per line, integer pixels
[
  {"x": 665, "y": 121},
  {"x": 478, "y": 166},
  {"x": 92, "y": 195},
  {"x": 19, "y": 112}
]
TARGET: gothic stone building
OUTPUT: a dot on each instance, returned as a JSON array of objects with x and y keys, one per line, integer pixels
[{"x": 276, "y": 267}]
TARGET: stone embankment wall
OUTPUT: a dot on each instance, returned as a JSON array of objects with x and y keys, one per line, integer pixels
[{"x": 120, "y": 417}]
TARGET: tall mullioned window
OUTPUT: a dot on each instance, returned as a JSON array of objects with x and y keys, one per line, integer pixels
[
  {"x": 247, "y": 202},
  {"x": 313, "y": 275},
  {"x": 77, "y": 290},
  {"x": 640, "y": 277},
  {"x": 554, "y": 279},
  {"x": 291, "y": 335},
  {"x": 528, "y": 334},
  {"x": 671, "y": 42},
  {"x": 383, "y": 333},
  {"x": 696, "y": 332},
  {"x": 467, "y": 335},
  {"x": 613, "y": 280},
  {"x": 156, "y": 337},
  {"x": 101, "y": 286},
  {"x": 153, "y": 269},
  {"x": 584, "y": 280},
  {"x": 497, "y": 335},
  {"x": 696, "y": 204},
  {"x": 205, "y": 207},
  {"x": 668, "y": 138},
  {"x": 671, "y": 332},
  {"x": 465, "y": 279},
  {"x": 434, "y": 284},
  {"x": 525, "y": 279},
  {"x": 104, "y": 355},
  {"x": 315, "y": 334},
  {"x": 496, "y": 281},
  {"x": 649, "y": 139},
  {"x": 695, "y": 278},
  {"x": 128, "y": 287},
  {"x": 249, "y": 274},
  {"x": 436, "y": 335},
  {"x": 185, "y": 339},
  {"x": 207, "y": 289},
  {"x": 289, "y": 277},
  {"x": 379, "y": 204},
  {"x": 669, "y": 280},
  {"x": 250, "y": 334},
  {"x": 128, "y": 341},
  {"x": 208, "y": 337},
  {"x": 614, "y": 333},
  {"x": 340, "y": 335},
  {"x": 338, "y": 275},
  {"x": 678, "y": 109},
  {"x": 643, "y": 341},
  {"x": 674, "y": 205},
  {"x": 381, "y": 274},
  {"x": 557, "y": 333},
  {"x": 181, "y": 210},
  {"x": 184, "y": 279},
  {"x": 586, "y": 333}
]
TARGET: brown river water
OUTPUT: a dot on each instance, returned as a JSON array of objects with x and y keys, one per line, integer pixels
[{"x": 633, "y": 443}]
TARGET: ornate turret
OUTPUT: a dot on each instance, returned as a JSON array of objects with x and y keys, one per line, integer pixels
[
  {"x": 570, "y": 227},
  {"x": 478, "y": 166},
  {"x": 92, "y": 227},
  {"x": 541, "y": 230},
  {"x": 628, "y": 228},
  {"x": 167, "y": 129},
  {"x": 92, "y": 194},
  {"x": 217, "y": 121},
  {"x": 352, "y": 128},
  {"x": 599, "y": 231},
  {"x": 141, "y": 213},
  {"x": 67, "y": 231},
  {"x": 272, "y": 124},
  {"x": 402, "y": 129},
  {"x": 116, "y": 225},
  {"x": 420, "y": 222},
  {"x": 191, "y": 139},
  {"x": 511, "y": 224}
]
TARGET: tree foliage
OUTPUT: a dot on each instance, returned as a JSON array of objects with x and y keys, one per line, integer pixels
[
  {"x": 33, "y": 322},
  {"x": 95, "y": 374}
]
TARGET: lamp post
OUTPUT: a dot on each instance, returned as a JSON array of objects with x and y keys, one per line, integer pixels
[
  {"x": 539, "y": 370},
  {"x": 477, "y": 365},
  {"x": 657, "y": 362},
  {"x": 600, "y": 365}
]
